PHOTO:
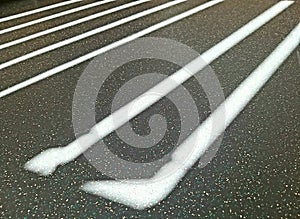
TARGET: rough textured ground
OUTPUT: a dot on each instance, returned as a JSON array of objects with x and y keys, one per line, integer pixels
[{"x": 255, "y": 173}]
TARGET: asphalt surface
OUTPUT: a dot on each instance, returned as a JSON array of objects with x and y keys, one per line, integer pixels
[{"x": 255, "y": 173}]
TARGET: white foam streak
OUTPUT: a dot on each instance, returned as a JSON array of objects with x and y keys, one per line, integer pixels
[
  {"x": 109, "y": 124},
  {"x": 141, "y": 194},
  {"x": 40, "y": 163}
]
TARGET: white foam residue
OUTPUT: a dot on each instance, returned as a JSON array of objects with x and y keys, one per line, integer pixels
[{"x": 141, "y": 194}]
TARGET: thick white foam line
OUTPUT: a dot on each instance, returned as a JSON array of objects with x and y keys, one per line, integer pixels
[
  {"x": 72, "y": 23},
  {"x": 145, "y": 193},
  {"x": 90, "y": 33},
  {"x": 23, "y": 14},
  {"x": 46, "y": 162},
  {"x": 50, "y": 17}
]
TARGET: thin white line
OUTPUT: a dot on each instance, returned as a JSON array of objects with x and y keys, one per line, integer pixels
[
  {"x": 108, "y": 124},
  {"x": 60, "y": 14},
  {"x": 89, "y": 33},
  {"x": 38, "y": 10},
  {"x": 72, "y": 23},
  {"x": 141, "y": 194}
]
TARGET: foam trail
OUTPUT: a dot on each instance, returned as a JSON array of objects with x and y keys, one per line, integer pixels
[
  {"x": 60, "y": 14},
  {"x": 23, "y": 14},
  {"x": 90, "y": 33},
  {"x": 43, "y": 164},
  {"x": 70, "y": 24},
  {"x": 141, "y": 194},
  {"x": 104, "y": 49}
]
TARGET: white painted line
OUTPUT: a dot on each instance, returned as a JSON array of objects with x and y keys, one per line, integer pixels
[
  {"x": 107, "y": 125},
  {"x": 60, "y": 14},
  {"x": 23, "y": 14},
  {"x": 141, "y": 194},
  {"x": 90, "y": 33},
  {"x": 72, "y": 23}
]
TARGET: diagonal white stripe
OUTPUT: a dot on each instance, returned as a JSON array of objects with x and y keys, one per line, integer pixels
[
  {"x": 23, "y": 14},
  {"x": 60, "y": 14},
  {"x": 72, "y": 23},
  {"x": 90, "y": 33}
]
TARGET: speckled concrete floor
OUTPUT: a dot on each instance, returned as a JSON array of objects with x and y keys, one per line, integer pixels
[{"x": 255, "y": 173}]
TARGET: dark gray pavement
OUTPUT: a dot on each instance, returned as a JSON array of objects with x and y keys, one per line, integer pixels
[{"x": 255, "y": 173}]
